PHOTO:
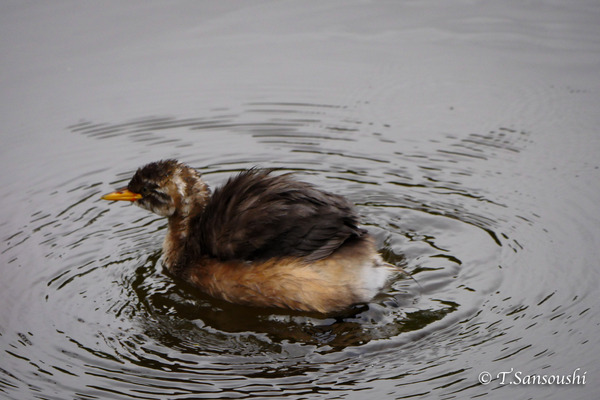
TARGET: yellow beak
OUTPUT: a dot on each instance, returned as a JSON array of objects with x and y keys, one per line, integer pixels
[{"x": 122, "y": 194}]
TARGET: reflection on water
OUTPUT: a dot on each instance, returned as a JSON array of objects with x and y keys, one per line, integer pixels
[{"x": 476, "y": 183}]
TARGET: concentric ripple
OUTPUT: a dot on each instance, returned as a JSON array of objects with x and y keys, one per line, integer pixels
[{"x": 128, "y": 328}]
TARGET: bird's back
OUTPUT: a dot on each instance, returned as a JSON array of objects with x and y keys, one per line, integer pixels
[{"x": 257, "y": 216}]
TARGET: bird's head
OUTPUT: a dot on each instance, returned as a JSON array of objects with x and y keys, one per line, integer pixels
[{"x": 166, "y": 188}]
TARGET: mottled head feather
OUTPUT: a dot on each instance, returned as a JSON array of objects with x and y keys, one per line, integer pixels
[
  {"x": 154, "y": 173},
  {"x": 168, "y": 187}
]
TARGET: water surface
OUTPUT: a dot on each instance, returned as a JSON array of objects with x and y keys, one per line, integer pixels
[{"x": 467, "y": 135}]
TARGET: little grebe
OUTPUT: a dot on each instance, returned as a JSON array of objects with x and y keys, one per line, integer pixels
[{"x": 260, "y": 239}]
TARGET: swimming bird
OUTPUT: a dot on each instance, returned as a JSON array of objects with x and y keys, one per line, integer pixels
[{"x": 261, "y": 239}]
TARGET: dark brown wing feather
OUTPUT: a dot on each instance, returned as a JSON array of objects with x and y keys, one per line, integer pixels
[{"x": 257, "y": 216}]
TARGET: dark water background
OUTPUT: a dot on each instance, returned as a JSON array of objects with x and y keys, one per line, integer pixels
[{"x": 467, "y": 133}]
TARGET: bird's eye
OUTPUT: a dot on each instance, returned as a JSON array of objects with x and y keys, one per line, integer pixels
[{"x": 146, "y": 191}]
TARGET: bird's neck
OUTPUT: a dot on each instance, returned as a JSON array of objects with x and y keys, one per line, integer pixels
[
  {"x": 178, "y": 232},
  {"x": 174, "y": 243}
]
